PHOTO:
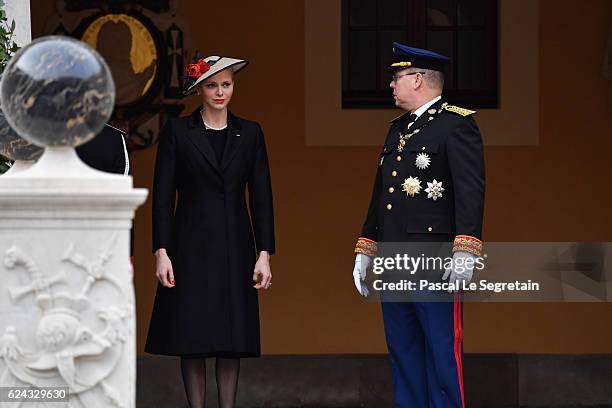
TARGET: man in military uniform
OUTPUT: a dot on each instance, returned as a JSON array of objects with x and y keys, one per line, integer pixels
[{"x": 429, "y": 187}]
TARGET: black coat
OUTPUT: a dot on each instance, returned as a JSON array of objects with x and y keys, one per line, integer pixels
[
  {"x": 107, "y": 152},
  {"x": 210, "y": 238},
  {"x": 454, "y": 146}
]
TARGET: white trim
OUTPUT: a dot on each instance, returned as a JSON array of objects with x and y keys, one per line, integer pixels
[
  {"x": 126, "y": 171},
  {"x": 117, "y": 129}
]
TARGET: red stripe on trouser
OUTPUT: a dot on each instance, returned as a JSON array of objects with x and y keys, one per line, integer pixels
[{"x": 457, "y": 343}]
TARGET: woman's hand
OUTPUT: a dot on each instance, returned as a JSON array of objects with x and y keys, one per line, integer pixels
[
  {"x": 164, "y": 271},
  {"x": 262, "y": 274}
]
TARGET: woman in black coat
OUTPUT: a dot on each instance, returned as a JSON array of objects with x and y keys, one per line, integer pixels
[{"x": 212, "y": 252}]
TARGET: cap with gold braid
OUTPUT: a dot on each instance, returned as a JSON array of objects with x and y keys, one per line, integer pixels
[
  {"x": 401, "y": 65},
  {"x": 410, "y": 57}
]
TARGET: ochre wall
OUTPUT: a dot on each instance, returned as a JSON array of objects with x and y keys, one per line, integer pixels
[
  {"x": 556, "y": 191},
  {"x": 327, "y": 124}
]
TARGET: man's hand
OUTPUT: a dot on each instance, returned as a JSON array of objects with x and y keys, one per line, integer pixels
[
  {"x": 362, "y": 263},
  {"x": 461, "y": 270}
]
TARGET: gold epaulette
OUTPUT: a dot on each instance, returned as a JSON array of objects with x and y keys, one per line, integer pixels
[{"x": 458, "y": 110}]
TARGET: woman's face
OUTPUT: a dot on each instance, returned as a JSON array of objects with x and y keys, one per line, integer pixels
[{"x": 217, "y": 90}]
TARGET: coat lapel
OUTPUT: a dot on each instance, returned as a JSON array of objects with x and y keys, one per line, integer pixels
[
  {"x": 234, "y": 138},
  {"x": 198, "y": 138},
  {"x": 417, "y": 139},
  {"x": 424, "y": 118}
]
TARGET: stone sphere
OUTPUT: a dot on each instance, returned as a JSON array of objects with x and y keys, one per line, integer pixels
[
  {"x": 57, "y": 91},
  {"x": 14, "y": 146}
]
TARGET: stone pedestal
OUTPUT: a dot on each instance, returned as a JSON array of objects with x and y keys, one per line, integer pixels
[{"x": 67, "y": 309}]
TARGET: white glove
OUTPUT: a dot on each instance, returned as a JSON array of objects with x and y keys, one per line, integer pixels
[
  {"x": 362, "y": 263},
  {"x": 461, "y": 269}
]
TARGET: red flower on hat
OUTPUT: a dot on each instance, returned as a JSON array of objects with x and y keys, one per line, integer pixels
[
  {"x": 196, "y": 70},
  {"x": 193, "y": 70},
  {"x": 204, "y": 66}
]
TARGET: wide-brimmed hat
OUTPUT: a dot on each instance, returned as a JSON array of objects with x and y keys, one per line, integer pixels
[{"x": 203, "y": 68}]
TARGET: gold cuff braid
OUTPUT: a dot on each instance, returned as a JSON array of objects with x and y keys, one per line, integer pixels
[
  {"x": 366, "y": 246},
  {"x": 467, "y": 243}
]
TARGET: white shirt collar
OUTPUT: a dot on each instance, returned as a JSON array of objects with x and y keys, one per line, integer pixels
[{"x": 418, "y": 112}]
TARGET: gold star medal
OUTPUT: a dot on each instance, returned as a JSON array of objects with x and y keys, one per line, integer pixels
[{"x": 411, "y": 186}]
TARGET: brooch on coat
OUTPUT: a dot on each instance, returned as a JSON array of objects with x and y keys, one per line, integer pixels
[
  {"x": 434, "y": 190},
  {"x": 411, "y": 186},
  {"x": 422, "y": 161}
]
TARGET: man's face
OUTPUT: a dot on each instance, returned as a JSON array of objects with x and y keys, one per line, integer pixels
[{"x": 404, "y": 88}]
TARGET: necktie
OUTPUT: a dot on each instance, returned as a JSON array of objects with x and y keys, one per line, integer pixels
[{"x": 411, "y": 119}]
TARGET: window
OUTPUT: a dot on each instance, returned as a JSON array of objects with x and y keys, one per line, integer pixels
[{"x": 464, "y": 30}]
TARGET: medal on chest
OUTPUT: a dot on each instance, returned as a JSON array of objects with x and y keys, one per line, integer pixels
[
  {"x": 412, "y": 185},
  {"x": 403, "y": 138}
]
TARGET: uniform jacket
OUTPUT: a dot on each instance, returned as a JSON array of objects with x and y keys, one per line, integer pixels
[{"x": 453, "y": 145}]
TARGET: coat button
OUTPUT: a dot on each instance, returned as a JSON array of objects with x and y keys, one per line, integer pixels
[
  {"x": 389, "y": 206},
  {"x": 391, "y": 189},
  {"x": 394, "y": 173},
  {"x": 398, "y": 158},
  {"x": 429, "y": 229},
  {"x": 423, "y": 148}
]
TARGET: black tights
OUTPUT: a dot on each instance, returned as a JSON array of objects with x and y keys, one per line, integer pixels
[{"x": 194, "y": 380}]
